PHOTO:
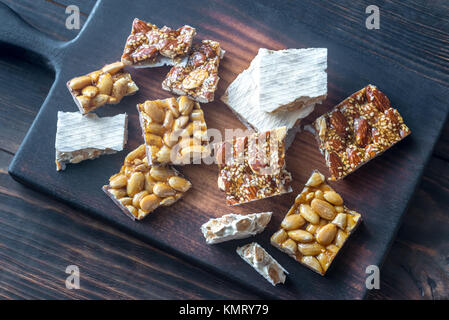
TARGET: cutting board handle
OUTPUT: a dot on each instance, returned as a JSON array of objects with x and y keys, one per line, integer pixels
[{"x": 17, "y": 32}]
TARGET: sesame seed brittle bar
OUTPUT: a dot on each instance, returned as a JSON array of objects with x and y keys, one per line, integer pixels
[
  {"x": 105, "y": 86},
  {"x": 150, "y": 46},
  {"x": 199, "y": 78},
  {"x": 140, "y": 188},
  {"x": 317, "y": 225},
  {"x": 253, "y": 167},
  {"x": 174, "y": 131},
  {"x": 357, "y": 130}
]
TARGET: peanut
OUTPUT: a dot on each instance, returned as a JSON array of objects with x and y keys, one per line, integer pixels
[
  {"x": 326, "y": 234},
  {"x": 323, "y": 208},
  {"x": 301, "y": 236}
]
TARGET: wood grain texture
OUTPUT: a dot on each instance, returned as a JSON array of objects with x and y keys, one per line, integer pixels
[
  {"x": 131, "y": 288},
  {"x": 40, "y": 237}
]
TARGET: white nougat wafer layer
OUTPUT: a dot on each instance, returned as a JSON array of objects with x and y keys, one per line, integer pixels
[
  {"x": 290, "y": 79},
  {"x": 80, "y": 137}
]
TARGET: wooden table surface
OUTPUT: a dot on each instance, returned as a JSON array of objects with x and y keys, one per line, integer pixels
[{"x": 40, "y": 237}]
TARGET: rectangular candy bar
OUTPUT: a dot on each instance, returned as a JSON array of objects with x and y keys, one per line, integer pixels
[
  {"x": 262, "y": 262},
  {"x": 81, "y": 137},
  {"x": 140, "y": 188},
  {"x": 149, "y": 46},
  {"x": 174, "y": 130},
  {"x": 316, "y": 226},
  {"x": 357, "y": 130},
  {"x": 235, "y": 226},
  {"x": 199, "y": 78},
  {"x": 253, "y": 167},
  {"x": 105, "y": 86}
]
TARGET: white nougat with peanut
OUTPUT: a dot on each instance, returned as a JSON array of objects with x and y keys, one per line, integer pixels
[{"x": 234, "y": 226}]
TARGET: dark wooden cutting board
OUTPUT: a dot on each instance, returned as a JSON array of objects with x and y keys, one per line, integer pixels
[{"x": 380, "y": 190}]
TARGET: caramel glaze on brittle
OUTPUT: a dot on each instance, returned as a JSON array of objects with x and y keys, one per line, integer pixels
[
  {"x": 253, "y": 167},
  {"x": 147, "y": 42},
  {"x": 358, "y": 129},
  {"x": 199, "y": 78}
]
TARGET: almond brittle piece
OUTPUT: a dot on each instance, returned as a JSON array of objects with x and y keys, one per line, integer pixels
[
  {"x": 150, "y": 46},
  {"x": 140, "y": 188},
  {"x": 175, "y": 131},
  {"x": 357, "y": 130},
  {"x": 316, "y": 226},
  {"x": 105, "y": 86},
  {"x": 199, "y": 78},
  {"x": 253, "y": 167}
]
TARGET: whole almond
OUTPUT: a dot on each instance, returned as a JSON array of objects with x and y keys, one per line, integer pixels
[
  {"x": 377, "y": 98},
  {"x": 353, "y": 157},
  {"x": 335, "y": 165},
  {"x": 362, "y": 131},
  {"x": 339, "y": 123}
]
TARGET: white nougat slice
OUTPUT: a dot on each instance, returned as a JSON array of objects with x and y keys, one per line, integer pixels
[
  {"x": 262, "y": 262},
  {"x": 241, "y": 98},
  {"x": 290, "y": 79},
  {"x": 235, "y": 226},
  {"x": 80, "y": 137}
]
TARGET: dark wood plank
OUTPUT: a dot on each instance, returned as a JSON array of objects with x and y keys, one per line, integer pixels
[
  {"x": 19, "y": 78},
  {"x": 40, "y": 237},
  {"x": 413, "y": 34},
  {"x": 417, "y": 266},
  {"x": 442, "y": 147},
  {"x": 395, "y": 283},
  {"x": 382, "y": 212},
  {"x": 53, "y": 13}
]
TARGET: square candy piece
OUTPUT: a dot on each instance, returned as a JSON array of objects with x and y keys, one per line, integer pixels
[
  {"x": 253, "y": 167},
  {"x": 140, "y": 188},
  {"x": 357, "y": 130},
  {"x": 316, "y": 226},
  {"x": 174, "y": 131},
  {"x": 149, "y": 46},
  {"x": 199, "y": 78},
  {"x": 105, "y": 86}
]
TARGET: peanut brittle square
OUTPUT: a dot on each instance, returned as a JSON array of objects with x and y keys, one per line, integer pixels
[
  {"x": 150, "y": 46},
  {"x": 357, "y": 130},
  {"x": 199, "y": 78},
  {"x": 316, "y": 226},
  {"x": 140, "y": 188},
  {"x": 175, "y": 131},
  {"x": 253, "y": 167},
  {"x": 105, "y": 86}
]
